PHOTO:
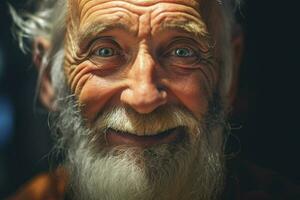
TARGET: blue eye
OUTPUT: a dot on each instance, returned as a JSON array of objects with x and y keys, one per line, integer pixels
[
  {"x": 105, "y": 52},
  {"x": 184, "y": 52}
]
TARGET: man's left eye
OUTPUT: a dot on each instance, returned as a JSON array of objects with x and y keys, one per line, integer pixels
[
  {"x": 183, "y": 52},
  {"x": 105, "y": 52}
]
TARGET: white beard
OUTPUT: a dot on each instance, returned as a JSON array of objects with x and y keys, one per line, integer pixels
[{"x": 190, "y": 170}]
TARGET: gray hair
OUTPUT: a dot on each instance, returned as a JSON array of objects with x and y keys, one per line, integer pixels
[{"x": 48, "y": 21}]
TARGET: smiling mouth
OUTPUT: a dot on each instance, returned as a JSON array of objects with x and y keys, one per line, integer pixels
[{"x": 116, "y": 138}]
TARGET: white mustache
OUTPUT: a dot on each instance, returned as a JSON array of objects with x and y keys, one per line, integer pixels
[{"x": 125, "y": 119}]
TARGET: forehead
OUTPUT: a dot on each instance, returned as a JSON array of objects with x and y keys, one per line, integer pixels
[
  {"x": 85, "y": 4},
  {"x": 85, "y": 11},
  {"x": 141, "y": 18}
]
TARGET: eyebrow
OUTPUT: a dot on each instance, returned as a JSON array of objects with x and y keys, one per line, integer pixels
[
  {"x": 95, "y": 29},
  {"x": 190, "y": 27}
]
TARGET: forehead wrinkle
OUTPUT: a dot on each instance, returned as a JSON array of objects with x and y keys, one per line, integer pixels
[
  {"x": 88, "y": 7},
  {"x": 135, "y": 6},
  {"x": 81, "y": 6},
  {"x": 141, "y": 2},
  {"x": 94, "y": 6},
  {"x": 169, "y": 7},
  {"x": 116, "y": 12}
]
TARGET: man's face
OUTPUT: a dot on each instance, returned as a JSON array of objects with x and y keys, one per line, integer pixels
[
  {"x": 144, "y": 74},
  {"x": 142, "y": 54}
]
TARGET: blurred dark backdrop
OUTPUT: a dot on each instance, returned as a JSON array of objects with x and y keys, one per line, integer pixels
[{"x": 267, "y": 105}]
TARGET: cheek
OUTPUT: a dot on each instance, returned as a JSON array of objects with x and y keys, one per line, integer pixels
[
  {"x": 191, "y": 92},
  {"x": 94, "y": 95},
  {"x": 91, "y": 90}
]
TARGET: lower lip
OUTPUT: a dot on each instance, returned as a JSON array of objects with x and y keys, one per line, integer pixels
[{"x": 117, "y": 138}]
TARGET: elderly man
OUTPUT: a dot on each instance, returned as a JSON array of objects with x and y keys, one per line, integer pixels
[{"x": 139, "y": 91}]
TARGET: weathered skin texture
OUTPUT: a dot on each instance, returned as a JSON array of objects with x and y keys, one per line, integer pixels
[{"x": 142, "y": 69}]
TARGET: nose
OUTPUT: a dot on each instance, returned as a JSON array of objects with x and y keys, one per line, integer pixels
[{"x": 144, "y": 92}]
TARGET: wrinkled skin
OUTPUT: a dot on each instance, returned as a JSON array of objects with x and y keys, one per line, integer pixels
[
  {"x": 146, "y": 57},
  {"x": 143, "y": 54}
]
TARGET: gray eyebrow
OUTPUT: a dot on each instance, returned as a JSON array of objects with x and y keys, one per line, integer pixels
[
  {"x": 190, "y": 27},
  {"x": 98, "y": 28}
]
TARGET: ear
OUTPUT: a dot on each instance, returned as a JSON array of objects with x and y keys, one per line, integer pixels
[
  {"x": 46, "y": 90},
  {"x": 237, "y": 44}
]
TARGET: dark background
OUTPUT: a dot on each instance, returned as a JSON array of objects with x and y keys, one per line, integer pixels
[{"x": 267, "y": 107}]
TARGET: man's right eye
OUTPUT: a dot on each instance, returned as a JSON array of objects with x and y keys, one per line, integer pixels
[{"x": 105, "y": 52}]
